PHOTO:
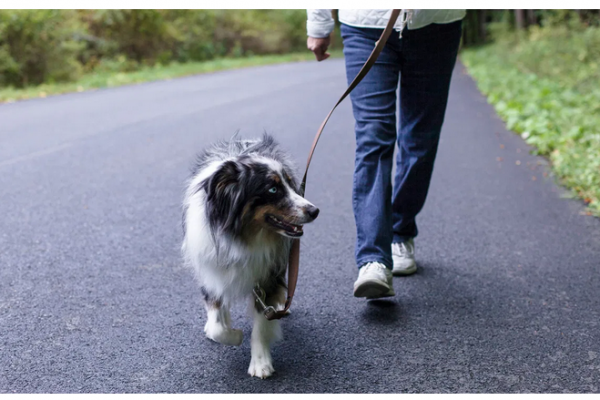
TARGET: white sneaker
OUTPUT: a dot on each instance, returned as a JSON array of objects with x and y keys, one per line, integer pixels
[
  {"x": 374, "y": 281},
  {"x": 403, "y": 255}
]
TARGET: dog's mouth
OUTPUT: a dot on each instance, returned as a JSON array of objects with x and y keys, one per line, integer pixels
[{"x": 289, "y": 229}]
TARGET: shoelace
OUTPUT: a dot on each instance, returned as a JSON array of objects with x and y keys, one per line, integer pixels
[
  {"x": 403, "y": 249},
  {"x": 370, "y": 266}
]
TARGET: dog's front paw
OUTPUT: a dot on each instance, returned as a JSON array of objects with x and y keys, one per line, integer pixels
[
  {"x": 230, "y": 337},
  {"x": 261, "y": 367}
]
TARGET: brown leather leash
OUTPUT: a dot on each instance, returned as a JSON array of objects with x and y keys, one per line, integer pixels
[{"x": 294, "y": 261}]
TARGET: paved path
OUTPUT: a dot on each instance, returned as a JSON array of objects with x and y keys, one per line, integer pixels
[{"x": 93, "y": 297}]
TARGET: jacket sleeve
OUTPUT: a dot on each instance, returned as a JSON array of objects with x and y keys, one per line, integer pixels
[{"x": 320, "y": 23}]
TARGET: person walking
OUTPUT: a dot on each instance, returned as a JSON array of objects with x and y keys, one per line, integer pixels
[{"x": 420, "y": 57}]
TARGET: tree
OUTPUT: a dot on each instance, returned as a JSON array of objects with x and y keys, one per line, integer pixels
[{"x": 520, "y": 19}]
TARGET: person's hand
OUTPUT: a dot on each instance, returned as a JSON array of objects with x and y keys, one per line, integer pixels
[{"x": 319, "y": 47}]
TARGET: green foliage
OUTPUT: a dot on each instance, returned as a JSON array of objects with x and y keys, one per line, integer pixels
[
  {"x": 551, "y": 111},
  {"x": 553, "y": 18},
  {"x": 243, "y": 32},
  {"x": 193, "y": 31},
  {"x": 110, "y": 78},
  {"x": 38, "y": 46},
  {"x": 54, "y": 45},
  {"x": 567, "y": 54},
  {"x": 480, "y": 26},
  {"x": 141, "y": 35}
]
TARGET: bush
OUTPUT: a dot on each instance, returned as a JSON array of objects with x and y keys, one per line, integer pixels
[
  {"x": 150, "y": 36},
  {"x": 140, "y": 35},
  {"x": 568, "y": 53},
  {"x": 38, "y": 46},
  {"x": 247, "y": 32},
  {"x": 193, "y": 31}
]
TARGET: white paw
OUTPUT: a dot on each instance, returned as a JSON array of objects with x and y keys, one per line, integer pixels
[
  {"x": 229, "y": 337},
  {"x": 261, "y": 367}
]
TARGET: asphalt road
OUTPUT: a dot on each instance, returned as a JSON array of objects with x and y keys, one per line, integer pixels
[{"x": 93, "y": 297}]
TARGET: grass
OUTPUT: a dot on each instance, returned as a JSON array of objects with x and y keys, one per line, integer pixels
[
  {"x": 148, "y": 74},
  {"x": 550, "y": 107}
]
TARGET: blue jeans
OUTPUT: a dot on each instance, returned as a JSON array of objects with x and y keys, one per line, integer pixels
[{"x": 424, "y": 58}]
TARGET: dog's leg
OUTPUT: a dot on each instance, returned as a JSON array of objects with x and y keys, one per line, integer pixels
[
  {"x": 264, "y": 333},
  {"x": 218, "y": 324}
]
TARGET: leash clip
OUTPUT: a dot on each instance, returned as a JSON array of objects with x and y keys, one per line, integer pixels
[{"x": 259, "y": 299}]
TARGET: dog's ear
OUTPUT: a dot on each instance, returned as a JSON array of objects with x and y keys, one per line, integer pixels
[
  {"x": 223, "y": 178},
  {"x": 225, "y": 198}
]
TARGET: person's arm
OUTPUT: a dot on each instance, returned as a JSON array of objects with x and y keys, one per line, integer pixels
[{"x": 319, "y": 26}]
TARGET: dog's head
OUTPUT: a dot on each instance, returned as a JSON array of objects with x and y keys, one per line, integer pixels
[{"x": 252, "y": 193}]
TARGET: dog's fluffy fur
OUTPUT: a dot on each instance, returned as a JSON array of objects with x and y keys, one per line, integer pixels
[{"x": 241, "y": 211}]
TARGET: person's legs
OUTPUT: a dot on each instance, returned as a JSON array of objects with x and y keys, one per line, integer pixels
[
  {"x": 428, "y": 56},
  {"x": 374, "y": 107}
]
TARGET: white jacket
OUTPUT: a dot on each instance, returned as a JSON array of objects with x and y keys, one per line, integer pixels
[{"x": 320, "y": 22}]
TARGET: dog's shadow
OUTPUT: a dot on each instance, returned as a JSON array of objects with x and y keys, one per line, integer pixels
[
  {"x": 313, "y": 349},
  {"x": 291, "y": 355}
]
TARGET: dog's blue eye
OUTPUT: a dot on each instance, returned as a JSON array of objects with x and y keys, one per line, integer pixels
[{"x": 273, "y": 190}]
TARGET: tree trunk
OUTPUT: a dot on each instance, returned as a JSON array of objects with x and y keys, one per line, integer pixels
[
  {"x": 520, "y": 19},
  {"x": 531, "y": 19},
  {"x": 481, "y": 23}
]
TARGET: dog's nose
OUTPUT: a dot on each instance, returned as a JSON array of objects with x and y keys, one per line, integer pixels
[{"x": 312, "y": 211}]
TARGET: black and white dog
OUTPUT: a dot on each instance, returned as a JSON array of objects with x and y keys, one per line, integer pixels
[{"x": 241, "y": 211}]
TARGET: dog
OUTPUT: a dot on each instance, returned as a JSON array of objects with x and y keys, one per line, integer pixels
[{"x": 241, "y": 211}]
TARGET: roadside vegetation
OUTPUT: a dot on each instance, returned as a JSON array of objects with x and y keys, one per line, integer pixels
[
  {"x": 107, "y": 79},
  {"x": 543, "y": 80},
  {"x": 45, "y": 52}
]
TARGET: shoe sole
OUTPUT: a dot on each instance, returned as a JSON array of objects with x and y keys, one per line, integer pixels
[
  {"x": 372, "y": 289},
  {"x": 387, "y": 294},
  {"x": 403, "y": 272}
]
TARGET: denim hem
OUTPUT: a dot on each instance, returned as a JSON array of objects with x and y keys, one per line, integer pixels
[
  {"x": 401, "y": 239},
  {"x": 361, "y": 264}
]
